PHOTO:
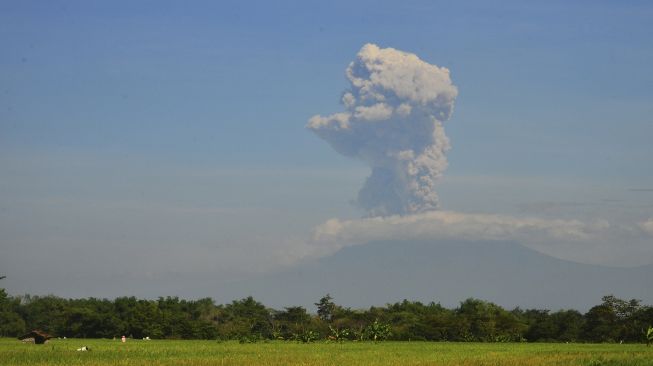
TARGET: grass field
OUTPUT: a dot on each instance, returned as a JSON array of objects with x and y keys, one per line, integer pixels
[{"x": 137, "y": 352}]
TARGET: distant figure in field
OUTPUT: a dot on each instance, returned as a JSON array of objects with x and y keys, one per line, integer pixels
[
  {"x": 83, "y": 349},
  {"x": 36, "y": 336},
  {"x": 123, "y": 339}
]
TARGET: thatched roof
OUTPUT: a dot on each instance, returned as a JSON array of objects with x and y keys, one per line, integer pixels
[{"x": 39, "y": 337}]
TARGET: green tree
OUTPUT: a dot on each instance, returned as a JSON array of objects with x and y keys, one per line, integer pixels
[
  {"x": 483, "y": 321},
  {"x": 625, "y": 317},
  {"x": 413, "y": 320},
  {"x": 47, "y": 313},
  {"x": 245, "y": 317},
  {"x": 292, "y": 321},
  {"x": 326, "y": 308},
  {"x": 11, "y": 323},
  {"x": 569, "y": 325},
  {"x": 540, "y": 326},
  {"x": 600, "y": 324}
]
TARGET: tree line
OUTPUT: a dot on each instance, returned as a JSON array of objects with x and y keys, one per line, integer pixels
[{"x": 247, "y": 320}]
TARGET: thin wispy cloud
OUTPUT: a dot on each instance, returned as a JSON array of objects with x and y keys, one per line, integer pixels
[{"x": 647, "y": 226}]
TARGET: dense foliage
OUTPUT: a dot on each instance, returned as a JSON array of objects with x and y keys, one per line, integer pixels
[{"x": 614, "y": 320}]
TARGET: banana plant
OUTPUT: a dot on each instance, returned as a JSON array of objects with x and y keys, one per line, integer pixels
[
  {"x": 306, "y": 336},
  {"x": 378, "y": 331},
  {"x": 338, "y": 334},
  {"x": 649, "y": 336}
]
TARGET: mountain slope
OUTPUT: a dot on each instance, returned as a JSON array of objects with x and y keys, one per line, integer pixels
[{"x": 447, "y": 272}]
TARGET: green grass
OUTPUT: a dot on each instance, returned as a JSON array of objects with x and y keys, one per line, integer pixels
[{"x": 159, "y": 352}]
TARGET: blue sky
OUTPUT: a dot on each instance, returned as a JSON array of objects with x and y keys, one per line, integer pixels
[
  {"x": 122, "y": 119},
  {"x": 196, "y": 81}
]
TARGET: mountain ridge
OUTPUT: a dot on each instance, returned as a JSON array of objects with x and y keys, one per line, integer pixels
[{"x": 447, "y": 272}]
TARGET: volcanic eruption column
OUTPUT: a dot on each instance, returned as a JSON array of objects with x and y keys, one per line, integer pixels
[{"x": 393, "y": 121}]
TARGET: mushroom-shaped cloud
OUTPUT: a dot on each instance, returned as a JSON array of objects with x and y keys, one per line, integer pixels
[{"x": 393, "y": 121}]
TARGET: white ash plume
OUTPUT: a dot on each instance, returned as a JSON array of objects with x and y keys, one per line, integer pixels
[{"x": 393, "y": 121}]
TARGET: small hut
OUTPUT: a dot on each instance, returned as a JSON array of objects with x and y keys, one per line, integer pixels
[{"x": 36, "y": 336}]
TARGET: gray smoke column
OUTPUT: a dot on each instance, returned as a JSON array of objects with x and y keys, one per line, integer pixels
[{"x": 393, "y": 121}]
